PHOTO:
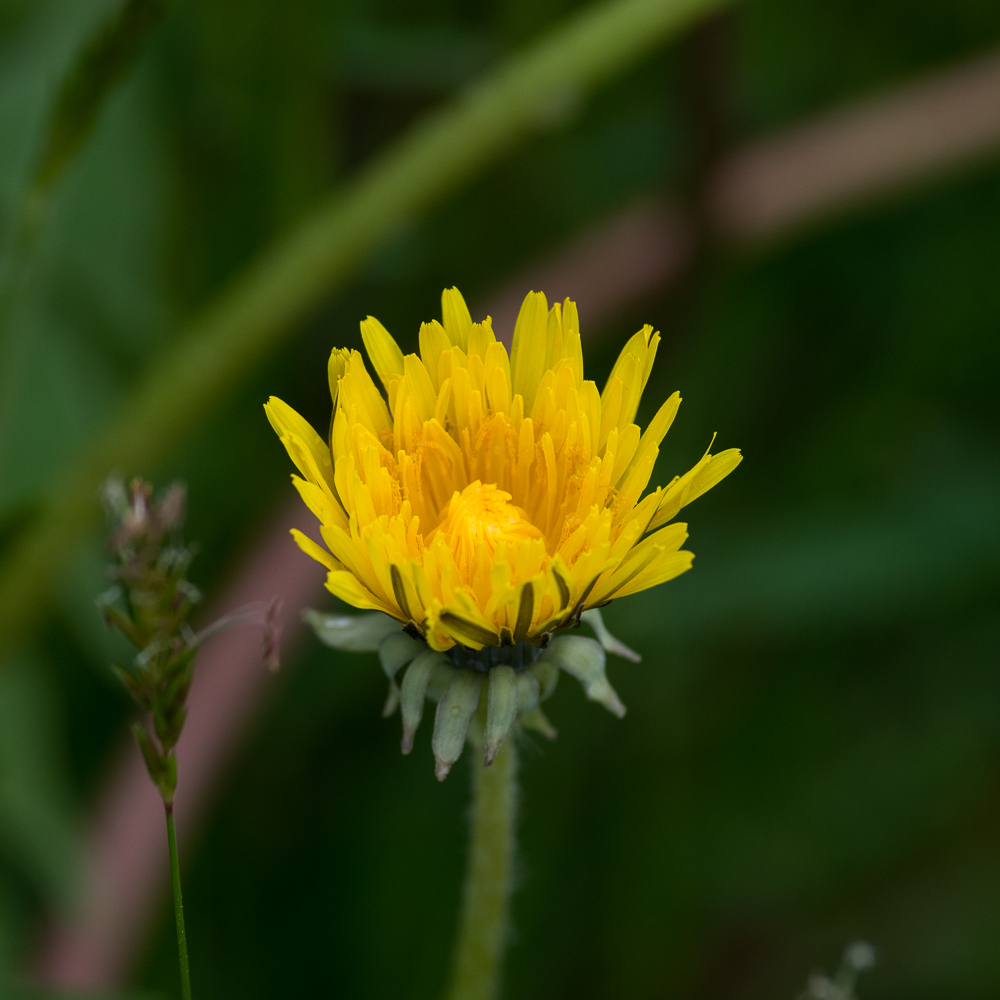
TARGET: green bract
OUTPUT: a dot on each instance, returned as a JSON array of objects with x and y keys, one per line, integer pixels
[{"x": 516, "y": 679}]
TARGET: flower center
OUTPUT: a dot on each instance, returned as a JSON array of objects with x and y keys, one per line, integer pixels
[{"x": 483, "y": 514}]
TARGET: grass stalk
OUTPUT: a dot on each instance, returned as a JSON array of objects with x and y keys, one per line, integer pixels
[{"x": 175, "y": 878}]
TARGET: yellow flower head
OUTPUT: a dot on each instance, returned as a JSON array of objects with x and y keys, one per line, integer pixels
[{"x": 481, "y": 499}]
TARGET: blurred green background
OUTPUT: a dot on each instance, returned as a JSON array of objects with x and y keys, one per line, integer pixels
[{"x": 812, "y": 750}]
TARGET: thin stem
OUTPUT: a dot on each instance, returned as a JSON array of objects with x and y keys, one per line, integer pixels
[
  {"x": 477, "y": 961},
  {"x": 175, "y": 877}
]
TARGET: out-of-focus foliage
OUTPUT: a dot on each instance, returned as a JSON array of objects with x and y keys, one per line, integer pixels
[
  {"x": 812, "y": 751},
  {"x": 38, "y": 832},
  {"x": 18, "y": 993}
]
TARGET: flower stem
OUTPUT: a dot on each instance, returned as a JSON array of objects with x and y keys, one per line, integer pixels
[
  {"x": 477, "y": 961},
  {"x": 175, "y": 877}
]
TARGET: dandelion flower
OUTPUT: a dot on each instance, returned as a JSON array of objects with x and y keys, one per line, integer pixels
[{"x": 484, "y": 502}]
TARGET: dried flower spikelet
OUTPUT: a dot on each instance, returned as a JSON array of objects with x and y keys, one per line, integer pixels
[{"x": 150, "y": 604}]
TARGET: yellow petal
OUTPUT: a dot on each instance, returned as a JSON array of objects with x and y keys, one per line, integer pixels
[
  {"x": 611, "y": 407},
  {"x": 527, "y": 359},
  {"x": 572, "y": 349},
  {"x": 628, "y": 442},
  {"x": 455, "y": 317},
  {"x": 319, "y": 501},
  {"x": 498, "y": 367},
  {"x": 631, "y": 378},
  {"x": 718, "y": 467},
  {"x": 637, "y": 561},
  {"x": 554, "y": 336},
  {"x": 357, "y": 379},
  {"x": 633, "y": 367},
  {"x": 433, "y": 343},
  {"x": 420, "y": 386},
  {"x": 335, "y": 369},
  {"x": 387, "y": 358},
  {"x": 711, "y": 470},
  {"x": 310, "y": 548},
  {"x": 649, "y": 444},
  {"x": 305, "y": 447},
  {"x": 480, "y": 338},
  {"x": 666, "y": 566},
  {"x": 345, "y": 585}
]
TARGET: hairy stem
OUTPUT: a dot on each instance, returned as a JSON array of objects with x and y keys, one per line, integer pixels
[
  {"x": 477, "y": 961},
  {"x": 175, "y": 878}
]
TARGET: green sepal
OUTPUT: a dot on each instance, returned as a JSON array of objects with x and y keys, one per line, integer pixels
[
  {"x": 584, "y": 658},
  {"x": 353, "y": 633},
  {"x": 395, "y": 651},
  {"x": 441, "y": 678},
  {"x": 611, "y": 645},
  {"x": 537, "y": 721},
  {"x": 501, "y": 710},
  {"x": 451, "y": 722},
  {"x": 414, "y": 689},
  {"x": 547, "y": 674},
  {"x": 528, "y": 691}
]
